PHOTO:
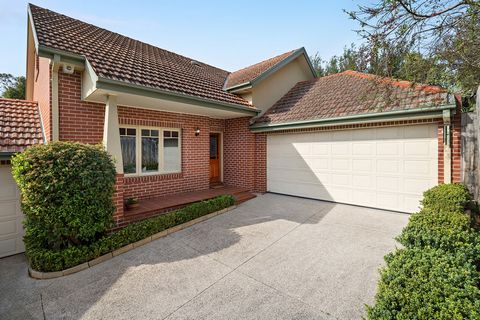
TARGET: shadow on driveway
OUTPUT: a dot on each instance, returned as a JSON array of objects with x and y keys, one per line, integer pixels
[{"x": 273, "y": 257}]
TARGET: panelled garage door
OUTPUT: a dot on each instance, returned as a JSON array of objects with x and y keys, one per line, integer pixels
[
  {"x": 11, "y": 229},
  {"x": 387, "y": 168}
]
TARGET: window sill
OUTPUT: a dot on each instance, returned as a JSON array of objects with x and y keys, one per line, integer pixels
[{"x": 147, "y": 177}]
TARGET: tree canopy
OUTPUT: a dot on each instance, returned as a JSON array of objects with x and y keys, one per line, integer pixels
[
  {"x": 12, "y": 87},
  {"x": 430, "y": 41}
]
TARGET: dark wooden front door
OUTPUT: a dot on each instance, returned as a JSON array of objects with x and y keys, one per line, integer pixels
[{"x": 214, "y": 157}]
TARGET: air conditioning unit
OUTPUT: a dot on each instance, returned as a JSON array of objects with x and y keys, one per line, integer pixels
[{"x": 68, "y": 68}]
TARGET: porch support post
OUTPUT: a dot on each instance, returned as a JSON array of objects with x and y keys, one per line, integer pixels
[
  {"x": 447, "y": 147},
  {"x": 111, "y": 133}
]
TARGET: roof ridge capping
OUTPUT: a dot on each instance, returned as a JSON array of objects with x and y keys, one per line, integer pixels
[
  {"x": 245, "y": 80},
  {"x": 394, "y": 81}
]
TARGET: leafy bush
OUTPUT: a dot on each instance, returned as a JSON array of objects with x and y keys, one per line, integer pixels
[
  {"x": 449, "y": 231},
  {"x": 446, "y": 197},
  {"x": 67, "y": 193},
  {"x": 427, "y": 284},
  {"x": 42, "y": 259}
]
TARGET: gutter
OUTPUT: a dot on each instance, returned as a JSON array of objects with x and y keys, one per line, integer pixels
[
  {"x": 5, "y": 155},
  {"x": 421, "y": 113},
  {"x": 120, "y": 86}
]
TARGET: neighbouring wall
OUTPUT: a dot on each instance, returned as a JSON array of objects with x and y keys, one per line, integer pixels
[
  {"x": 470, "y": 152},
  {"x": 42, "y": 93}
]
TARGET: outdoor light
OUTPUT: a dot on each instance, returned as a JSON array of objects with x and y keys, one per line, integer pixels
[{"x": 197, "y": 131}]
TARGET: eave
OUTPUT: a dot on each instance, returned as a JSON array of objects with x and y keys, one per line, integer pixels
[{"x": 411, "y": 114}]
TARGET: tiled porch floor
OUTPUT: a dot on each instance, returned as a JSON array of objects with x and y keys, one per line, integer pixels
[{"x": 149, "y": 207}]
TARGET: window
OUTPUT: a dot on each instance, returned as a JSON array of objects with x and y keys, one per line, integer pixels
[
  {"x": 150, "y": 150},
  {"x": 128, "y": 142},
  {"x": 171, "y": 151}
]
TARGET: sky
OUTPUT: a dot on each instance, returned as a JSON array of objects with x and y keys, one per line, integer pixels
[{"x": 227, "y": 34}]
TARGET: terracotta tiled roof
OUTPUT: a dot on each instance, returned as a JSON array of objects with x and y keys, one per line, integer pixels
[
  {"x": 351, "y": 93},
  {"x": 248, "y": 74},
  {"x": 20, "y": 125},
  {"x": 117, "y": 57}
]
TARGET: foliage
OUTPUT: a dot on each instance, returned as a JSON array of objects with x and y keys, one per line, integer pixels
[
  {"x": 42, "y": 259},
  {"x": 449, "y": 231},
  {"x": 453, "y": 197},
  {"x": 427, "y": 284},
  {"x": 436, "y": 275},
  {"x": 440, "y": 30},
  {"x": 67, "y": 191},
  {"x": 12, "y": 87}
]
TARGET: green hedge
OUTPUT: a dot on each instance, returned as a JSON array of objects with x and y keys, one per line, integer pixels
[
  {"x": 452, "y": 197},
  {"x": 436, "y": 275},
  {"x": 449, "y": 231},
  {"x": 67, "y": 193},
  {"x": 427, "y": 284},
  {"x": 42, "y": 259}
]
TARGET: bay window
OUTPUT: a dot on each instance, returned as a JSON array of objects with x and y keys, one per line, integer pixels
[{"x": 150, "y": 150}]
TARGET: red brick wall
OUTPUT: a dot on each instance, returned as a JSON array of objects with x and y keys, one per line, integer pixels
[
  {"x": 79, "y": 120},
  {"x": 245, "y": 156},
  {"x": 42, "y": 93},
  {"x": 195, "y": 173}
]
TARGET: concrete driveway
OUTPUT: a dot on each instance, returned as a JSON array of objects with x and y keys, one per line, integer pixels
[{"x": 274, "y": 257}]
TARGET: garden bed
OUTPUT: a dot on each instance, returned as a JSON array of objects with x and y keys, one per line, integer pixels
[
  {"x": 436, "y": 275},
  {"x": 47, "y": 264}
]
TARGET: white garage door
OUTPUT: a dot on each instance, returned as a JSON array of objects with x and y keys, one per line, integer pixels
[
  {"x": 11, "y": 228},
  {"x": 387, "y": 168}
]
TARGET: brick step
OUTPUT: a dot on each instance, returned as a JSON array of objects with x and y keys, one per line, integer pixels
[{"x": 243, "y": 196}]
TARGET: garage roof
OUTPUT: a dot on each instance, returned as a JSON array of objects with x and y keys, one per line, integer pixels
[
  {"x": 351, "y": 93},
  {"x": 20, "y": 125}
]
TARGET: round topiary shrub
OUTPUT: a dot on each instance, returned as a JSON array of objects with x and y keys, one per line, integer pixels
[{"x": 67, "y": 191}]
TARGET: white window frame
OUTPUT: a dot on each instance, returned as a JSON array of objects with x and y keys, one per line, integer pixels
[{"x": 138, "y": 151}]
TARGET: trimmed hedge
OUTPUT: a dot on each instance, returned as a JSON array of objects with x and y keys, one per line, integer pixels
[
  {"x": 437, "y": 274},
  {"x": 449, "y": 231},
  {"x": 42, "y": 259},
  {"x": 451, "y": 197},
  {"x": 67, "y": 191},
  {"x": 427, "y": 284}
]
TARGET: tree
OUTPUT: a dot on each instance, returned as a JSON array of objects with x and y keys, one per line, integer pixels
[
  {"x": 12, "y": 87},
  {"x": 443, "y": 32}
]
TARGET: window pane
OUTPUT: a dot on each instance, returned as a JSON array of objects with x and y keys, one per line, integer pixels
[
  {"x": 149, "y": 154},
  {"x": 128, "y": 145},
  {"x": 145, "y": 133},
  {"x": 122, "y": 131},
  {"x": 175, "y": 134},
  {"x": 166, "y": 134},
  {"x": 171, "y": 155},
  {"x": 131, "y": 132},
  {"x": 154, "y": 133},
  {"x": 213, "y": 147}
]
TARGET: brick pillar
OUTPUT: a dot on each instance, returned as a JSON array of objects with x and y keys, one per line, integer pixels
[
  {"x": 118, "y": 215},
  {"x": 260, "y": 162}
]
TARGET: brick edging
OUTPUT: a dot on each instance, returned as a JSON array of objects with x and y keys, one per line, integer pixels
[{"x": 56, "y": 274}]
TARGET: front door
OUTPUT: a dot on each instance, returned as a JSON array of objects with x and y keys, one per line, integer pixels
[{"x": 214, "y": 157}]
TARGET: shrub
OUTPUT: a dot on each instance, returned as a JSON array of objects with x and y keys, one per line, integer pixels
[
  {"x": 449, "y": 231},
  {"x": 427, "y": 284},
  {"x": 446, "y": 197},
  {"x": 67, "y": 193},
  {"x": 42, "y": 259}
]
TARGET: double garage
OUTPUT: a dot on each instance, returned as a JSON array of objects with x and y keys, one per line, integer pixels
[{"x": 384, "y": 167}]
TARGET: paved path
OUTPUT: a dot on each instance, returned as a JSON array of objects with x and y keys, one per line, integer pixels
[{"x": 274, "y": 257}]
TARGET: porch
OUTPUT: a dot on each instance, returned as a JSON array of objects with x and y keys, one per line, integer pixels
[{"x": 155, "y": 206}]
